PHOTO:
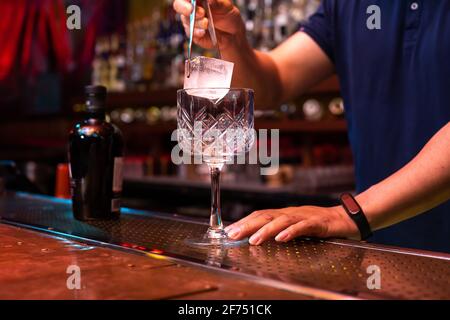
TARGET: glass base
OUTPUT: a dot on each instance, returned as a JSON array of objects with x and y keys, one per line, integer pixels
[{"x": 215, "y": 238}]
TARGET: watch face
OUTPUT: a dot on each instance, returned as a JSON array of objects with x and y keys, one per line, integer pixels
[{"x": 351, "y": 204}]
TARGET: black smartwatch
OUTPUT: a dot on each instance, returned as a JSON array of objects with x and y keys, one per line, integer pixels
[{"x": 355, "y": 212}]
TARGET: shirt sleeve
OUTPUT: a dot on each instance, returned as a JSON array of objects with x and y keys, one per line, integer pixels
[{"x": 319, "y": 28}]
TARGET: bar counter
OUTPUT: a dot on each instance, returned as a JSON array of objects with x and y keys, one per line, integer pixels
[{"x": 142, "y": 256}]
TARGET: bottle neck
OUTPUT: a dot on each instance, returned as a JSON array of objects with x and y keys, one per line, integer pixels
[
  {"x": 95, "y": 108},
  {"x": 97, "y": 115}
]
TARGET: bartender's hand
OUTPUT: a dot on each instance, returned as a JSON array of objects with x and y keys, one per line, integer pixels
[
  {"x": 289, "y": 223},
  {"x": 227, "y": 21}
]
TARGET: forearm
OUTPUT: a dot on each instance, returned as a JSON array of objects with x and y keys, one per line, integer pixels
[
  {"x": 421, "y": 185},
  {"x": 277, "y": 76}
]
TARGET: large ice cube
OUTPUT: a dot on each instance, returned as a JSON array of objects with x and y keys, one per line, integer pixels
[{"x": 208, "y": 73}]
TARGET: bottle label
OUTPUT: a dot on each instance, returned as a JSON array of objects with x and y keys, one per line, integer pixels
[{"x": 118, "y": 175}]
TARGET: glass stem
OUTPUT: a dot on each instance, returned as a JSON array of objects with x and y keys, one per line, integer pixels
[{"x": 216, "y": 213}]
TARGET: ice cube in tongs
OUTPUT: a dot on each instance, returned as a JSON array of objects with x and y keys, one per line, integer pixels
[{"x": 208, "y": 73}]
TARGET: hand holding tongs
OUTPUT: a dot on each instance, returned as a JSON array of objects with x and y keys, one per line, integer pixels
[{"x": 211, "y": 30}]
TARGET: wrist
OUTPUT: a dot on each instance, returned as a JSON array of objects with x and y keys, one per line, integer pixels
[{"x": 343, "y": 225}]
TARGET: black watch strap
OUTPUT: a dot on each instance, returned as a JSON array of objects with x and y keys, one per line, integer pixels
[{"x": 355, "y": 212}]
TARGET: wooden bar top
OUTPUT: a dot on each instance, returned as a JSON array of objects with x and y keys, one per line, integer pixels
[
  {"x": 35, "y": 265},
  {"x": 143, "y": 255}
]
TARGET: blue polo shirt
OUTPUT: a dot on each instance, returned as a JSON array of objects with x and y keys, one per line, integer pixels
[{"x": 393, "y": 61}]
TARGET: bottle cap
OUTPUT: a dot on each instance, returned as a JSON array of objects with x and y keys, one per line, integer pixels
[{"x": 96, "y": 91}]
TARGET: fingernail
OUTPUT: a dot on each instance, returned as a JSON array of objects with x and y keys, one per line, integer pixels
[
  {"x": 227, "y": 229},
  {"x": 283, "y": 236},
  {"x": 233, "y": 232},
  {"x": 255, "y": 240}
]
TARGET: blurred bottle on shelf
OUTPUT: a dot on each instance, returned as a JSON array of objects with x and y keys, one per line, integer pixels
[
  {"x": 117, "y": 64},
  {"x": 281, "y": 23},
  {"x": 134, "y": 54},
  {"x": 147, "y": 54},
  {"x": 150, "y": 116},
  {"x": 289, "y": 110},
  {"x": 100, "y": 64},
  {"x": 139, "y": 115},
  {"x": 155, "y": 51},
  {"x": 127, "y": 116},
  {"x": 336, "y": 107},
  {"x": 96, "y": 65},
  {"x": 153, "y": 115},
  {"x": 313, "y": 110}
]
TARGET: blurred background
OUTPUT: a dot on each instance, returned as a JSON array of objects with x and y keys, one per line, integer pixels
[{"x": 136, "y": 48}]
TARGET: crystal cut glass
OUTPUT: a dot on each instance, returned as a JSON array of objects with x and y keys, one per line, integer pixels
[{"x": 215, "y": 125}]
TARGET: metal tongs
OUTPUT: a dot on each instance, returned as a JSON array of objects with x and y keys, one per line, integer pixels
[{"x": 211, "y": 30}]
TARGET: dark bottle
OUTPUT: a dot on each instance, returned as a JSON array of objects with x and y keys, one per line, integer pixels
[{"x": 96, "y": 158}]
